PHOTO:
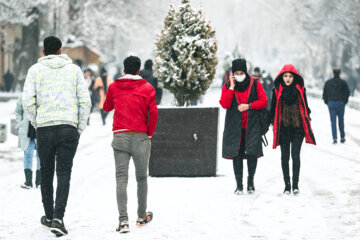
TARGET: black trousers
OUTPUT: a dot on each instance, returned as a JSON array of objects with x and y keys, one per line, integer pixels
[
  {"x": 238, "y": 163},
  {"x": 291, "y": 137},
  {"x": 103, "y": 116},
  {"x": 56, "y": 144}
]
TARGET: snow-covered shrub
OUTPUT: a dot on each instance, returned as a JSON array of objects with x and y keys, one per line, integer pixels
[{"x": 186, "y": 59}]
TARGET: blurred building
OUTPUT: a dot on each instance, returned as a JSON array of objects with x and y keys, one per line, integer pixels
[{"x": 10, "y": 39}]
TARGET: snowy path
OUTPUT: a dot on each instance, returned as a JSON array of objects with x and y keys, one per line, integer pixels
[{"x": 198, "y": 208}]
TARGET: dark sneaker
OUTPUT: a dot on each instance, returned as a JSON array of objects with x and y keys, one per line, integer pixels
[
  {"x": 140, "y": 222},
  {"x": 45, "y": 222},
  {"x": 123, "y": 227},
  {"x": 342, "y": 140},
  {"x": 335, "y": 141},
  {"x": 58, "y": 228}
]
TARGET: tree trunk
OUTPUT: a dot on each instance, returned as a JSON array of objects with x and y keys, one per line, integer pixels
[{"x": 28, "y": 54}]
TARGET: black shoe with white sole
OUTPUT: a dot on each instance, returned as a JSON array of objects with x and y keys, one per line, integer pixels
[
  {"x": 58, "y": 228},
  {"x": 45, "y": 222}
]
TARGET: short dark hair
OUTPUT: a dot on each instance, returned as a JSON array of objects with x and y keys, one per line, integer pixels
[
  {"x": 52, "y": 45},
  {"x": 132, "y": 65},
  {"x": 148, "y": 64},
  {"x": 337, "y": 72}
]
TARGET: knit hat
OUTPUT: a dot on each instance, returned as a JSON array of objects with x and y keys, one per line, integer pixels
[{"x": 239, "y": 65}]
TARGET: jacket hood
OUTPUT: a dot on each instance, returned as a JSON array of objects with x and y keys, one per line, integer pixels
[
  {"x": 55, "y": 61},
  {"x": 129, "y": 82},
  {"x": 291, "y": 69}
]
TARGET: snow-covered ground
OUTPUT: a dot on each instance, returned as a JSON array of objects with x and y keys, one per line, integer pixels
[{"x": 197, "y": 208}]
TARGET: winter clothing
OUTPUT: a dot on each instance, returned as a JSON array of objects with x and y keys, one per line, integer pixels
[
  {"x": 236, "y": 120},
  {"x": 28, "y": 179},
  {"x": 147, "y": 74},
  {"x": 277, "y": 105},
  {"x": 291, "y": 122},
  {"x": 8, "y": 80},
  {"x": 55, "y": 93},
  {"x": 56, "y": 144},
  {"x": 336, "y": 94},
  {"x": 239, "y": 65},
  {"x": 336, "y": 89},
  {"x": 29, "y": 155},
  {"x": 57, "y": 102},
  {"x": 26, "y": 141},
  {"x": 238, "y": 164},
  {"x": 295, "y": 137},
  {"x": 38, "y": 178},
  {"x": 138, "y": 147},
  {"x": 337, "y": 109},
  {"x": 134, "y": 123},
  {"x": 22, "y": 125},
  {"x": 101, "y": 86},
  {"x": 268, "y": 85},
  {"x": 135, "y": 105}
]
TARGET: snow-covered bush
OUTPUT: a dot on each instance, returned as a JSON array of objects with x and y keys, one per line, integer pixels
[{"x": 185, "y": 50}]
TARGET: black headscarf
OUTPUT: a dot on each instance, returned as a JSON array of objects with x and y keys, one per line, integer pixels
[{"x": 289, "y": 93}]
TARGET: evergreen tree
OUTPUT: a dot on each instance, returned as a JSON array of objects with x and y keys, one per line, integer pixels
[{"x": 185, "y": 53}]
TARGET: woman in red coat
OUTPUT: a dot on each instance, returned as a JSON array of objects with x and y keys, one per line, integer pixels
[
  {"x": 243, "y": 97},
  {"x": 291, "y": 122}
]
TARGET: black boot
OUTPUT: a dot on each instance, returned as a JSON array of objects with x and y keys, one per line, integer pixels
[
  {"x": 37, "y": 178},
  {"x": 287, "y": 185},
  {"x": 239, "y": 186},
  {"x": 295, "y": 186},
  {"x": 28, "y": 179},
  {"x": 250, "y": 185}
]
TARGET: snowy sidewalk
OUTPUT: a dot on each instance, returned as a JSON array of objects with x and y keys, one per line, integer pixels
[{"x": 198, "y": 208}]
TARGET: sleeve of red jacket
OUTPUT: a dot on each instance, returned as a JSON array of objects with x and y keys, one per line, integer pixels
[
  {"x": 153, "y": 114},
  {"x": 262, "y": 100},
  {"x": 227, "y": 96},
  {"x": 108, "y": 104}
]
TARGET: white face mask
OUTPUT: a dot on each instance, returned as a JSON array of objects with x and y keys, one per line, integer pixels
[{"x": 240, "y": 78}]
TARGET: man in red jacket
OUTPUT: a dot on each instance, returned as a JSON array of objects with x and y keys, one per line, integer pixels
[{"x": 135, "y": 118}]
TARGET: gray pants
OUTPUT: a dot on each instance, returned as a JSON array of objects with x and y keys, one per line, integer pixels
[{"x": 138, "y": 147}]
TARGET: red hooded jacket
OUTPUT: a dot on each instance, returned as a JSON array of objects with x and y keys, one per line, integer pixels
[
  {"x": 134, "y": 101},
  {"x": 304, "y": 112}
]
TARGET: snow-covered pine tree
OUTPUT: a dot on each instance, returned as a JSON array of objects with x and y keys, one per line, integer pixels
[{"x": 185, "y": 51}]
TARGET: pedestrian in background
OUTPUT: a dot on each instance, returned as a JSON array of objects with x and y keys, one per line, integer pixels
[
  {"x": 101, "y": 86},
  {"x": 27, "y": 136},
  {"x": 336, "y": 95}
]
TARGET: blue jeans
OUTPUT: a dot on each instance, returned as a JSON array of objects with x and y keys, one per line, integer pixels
[
  {"x": 29, "y": 155},
  {"x": 337, "y": 109}
]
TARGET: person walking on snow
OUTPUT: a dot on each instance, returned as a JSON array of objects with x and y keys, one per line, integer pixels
[
  {"x": 135, "y": 119},
  {"x": 101, "y": 86},
  {"x": 242, "y": 96},
  {"x": 27, "y": 143},
  {"x": 336, "y": 95},
  {"x": 57, "y": 102},
  {"x": 290, "y": 116}
]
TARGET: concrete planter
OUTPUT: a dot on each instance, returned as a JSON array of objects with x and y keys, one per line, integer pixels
[{"x": 185, "y": 143}]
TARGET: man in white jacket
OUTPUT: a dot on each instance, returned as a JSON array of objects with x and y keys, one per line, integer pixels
[{"x": 57, "y": 103}]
